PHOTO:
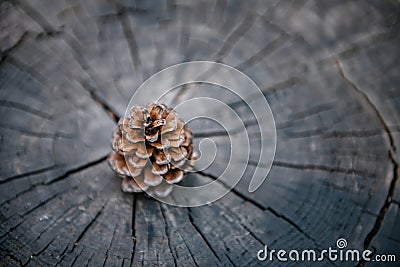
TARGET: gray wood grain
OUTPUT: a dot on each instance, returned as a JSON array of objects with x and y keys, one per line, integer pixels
[{"x": 329, "y": 70}]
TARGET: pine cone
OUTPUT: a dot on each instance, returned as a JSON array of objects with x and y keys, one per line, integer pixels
[{"x": 152, "y": 149}]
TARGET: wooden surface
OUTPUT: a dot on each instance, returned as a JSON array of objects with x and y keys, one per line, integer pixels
[{"x": 329, "y": 69}]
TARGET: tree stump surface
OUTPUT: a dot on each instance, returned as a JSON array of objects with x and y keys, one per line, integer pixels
[{"x": 329, "y": 70}]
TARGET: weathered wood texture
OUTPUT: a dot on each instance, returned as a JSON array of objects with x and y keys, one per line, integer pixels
[{"x": 329, "y": 69}]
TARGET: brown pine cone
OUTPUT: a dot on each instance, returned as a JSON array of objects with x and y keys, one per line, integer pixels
[{"x": 152, "y": 149}]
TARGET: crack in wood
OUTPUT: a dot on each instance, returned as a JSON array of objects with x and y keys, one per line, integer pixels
[
  {"x": 109, "y": 245},
  {"x": 34, "y": 172},
  {"x": 353, "y": 86},
  {"x": 62, "y": 253},
  {"x": 392, "y": 156},
  {"x": 41, "y": 204},
  {"x": 388, "y": 202},
  {"x": 54, "y": 222},
  {"x": 21, "y": 40},
  {"x": 31, "y": 133},
  {"x": 348, "y": 134},
  {"x": 133, "y": 226},
  {"x": 75, "y": 47},
  {"x": 25, "y": 108},
  {"x": 36, "y": 16},
  {"x": 217, "y": 133},
  {"x": 285, "y": 84},
  {"x": 185, "y": 31},
  {"x": 234, "y": 131},
  {"x": 275, "y": 213},
  {"x": 57, "y": 179},
  {"x": 314, "y": 167},
  {"x": 123, "y": 262},
  {"x": 228, "y": 257},
  {"x": 227, "y": 46},
  {"x": 47, "y": 200},
  {"x": 201, "y": 234},
  {"x": 352, "y": 109},
  {"x": 76, "y": 258},
  {"x": 73, "y": 44},
  {"x": 38, "y": 253},
  {"x": 210, "y": 134},
  {"x": 227, "y": 248},
  {"x": 317, "y": 109},
  {"x": 159, "y": 44},
  {"x": 361, "y": 45},
  {"x": 190, "y": 252},
  {"x": 11, "y": 230},
  {"x": 60, "y": 178},
  {"x": 292, "y": 223},
  {"x": 20, "y": 263},
  {"x": 89, "y": 259},
  {"x": 235, "y": 36},
  {"x": 129, "y": 33},
  {"x": 76, "y": 170},
  {"x": 167, "y": 234},
  {"x": 239, "y": 194},
  {"x": 264, "y": 52},
  {"x": 106, "y": 107},
  {"x": 25, "y": 68},
  {"x": 244, "y": 226},
  {"x": 84, "y": 231},
  {"x": 59, "y": 218},
  {"x": 260, "y": 206}
]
